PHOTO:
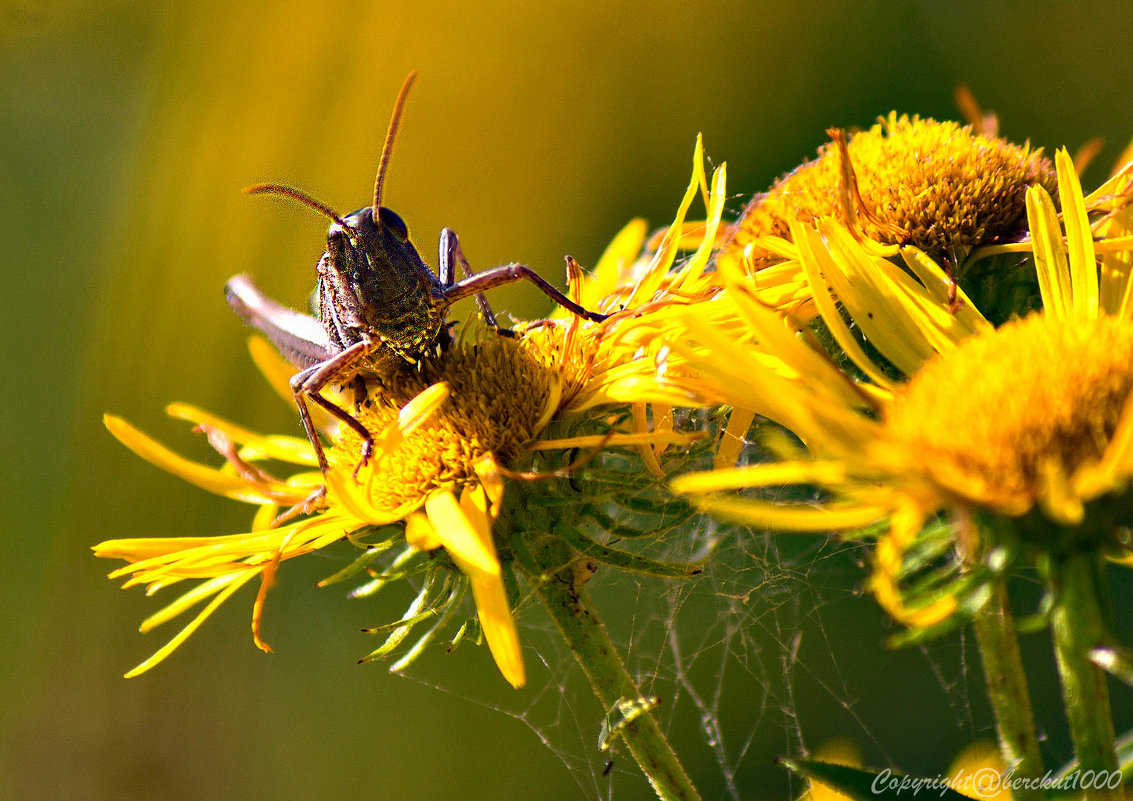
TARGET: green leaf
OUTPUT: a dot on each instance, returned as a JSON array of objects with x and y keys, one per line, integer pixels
[{"x": 869, "y": 785}]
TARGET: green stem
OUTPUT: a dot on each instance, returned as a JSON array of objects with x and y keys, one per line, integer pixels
[
  {"x": 1080, "y": 591},
  {"x": 591, "y": 645},
  {"x": 1007, "y": 690}
]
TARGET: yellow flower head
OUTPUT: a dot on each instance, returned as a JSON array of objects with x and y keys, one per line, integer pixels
[
  {"x": 939, "y": 186},
  {"x": 932, "y": 410},
  {"x": 954, "y": 193},
  {"x": 451, "y": 436},
  {"x": 1008, "y": 416}
]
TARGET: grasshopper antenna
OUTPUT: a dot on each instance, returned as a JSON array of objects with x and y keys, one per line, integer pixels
[
  {"x": 391, "y": 134},
  {"x": 294, "y": 194}
]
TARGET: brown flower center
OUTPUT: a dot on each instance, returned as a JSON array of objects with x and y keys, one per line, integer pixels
[
  {"x": 498, "y": 396},
  {"x": 945, "y": 187}
]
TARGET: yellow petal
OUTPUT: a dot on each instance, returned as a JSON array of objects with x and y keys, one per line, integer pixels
[
  {"x": 475, "y": 504},
  {"x": 488, "y": 471},
  {"x": 861, "y": 283},
  {"x": 423, "y": 406},
  {"x": 554, "y": 398},
  {"x": 1116, "y": 283},
  {"x": 715, "y": 204},
  {"x": 473, "y": 553},
  {"x": 1050, "y": 254},
  {"x": 979, "y": 763},
  {"x": 794, "y": 518},
  {"x": 648, "y": 455},
  {"x": 662, "y": 424},
  {"x": 464, "y": 528},
  {"x": 285, "y": 449},
  {"x": 172, "y": 645},
  {"x": 836, "y": 752},
  {"x": 888, "y": 560},
  {"x": 420, "y": 534},
  {"x": 265, "y": 516},
  {"x": 499, "y": 627},
  {"x": 966, "y": 320},
  {"x": 187, "y": 600},
  {"x": 1079, "y": 239},
  {"x": 732, "y": 442},
  {"x": 207, "y": 478},
  {"x": 636, "y": 439},
  {"x": 278, "y": 371},
  {"x": 651, "y": 278},
  {"x": 206, "y": 557},
  {"x": 1056, "y": 494},
  {"x": 612, "y": 265},
  {"x": 826, "y": 474},
  {"x": 344, "y": 490}
]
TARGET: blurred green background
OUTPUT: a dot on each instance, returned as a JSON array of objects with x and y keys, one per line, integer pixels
[{"x": 535, "y": 130}]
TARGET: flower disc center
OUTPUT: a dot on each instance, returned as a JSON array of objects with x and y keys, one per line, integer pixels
[{"x": 996, "y": 418}]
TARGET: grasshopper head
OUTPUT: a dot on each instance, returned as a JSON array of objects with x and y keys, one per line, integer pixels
[
  {"x": 380, "y": 284},
  {"x": 375, "y": 257}
]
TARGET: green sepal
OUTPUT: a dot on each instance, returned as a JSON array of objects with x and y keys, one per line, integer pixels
[
  {"x": 449, "y": 607},
  {"x": 421, "y": 609},
  {"x": 360, "y": 564},
  {"x": 623, "y": 560},
  {"x": 405, "y": 564}
]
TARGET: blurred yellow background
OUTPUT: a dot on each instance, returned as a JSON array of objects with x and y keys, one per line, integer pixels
[{"x": 534, "y": 130}]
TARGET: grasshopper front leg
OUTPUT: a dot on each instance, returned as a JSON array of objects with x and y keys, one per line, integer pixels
[
  {"x": 308, "y": 385},
  {"x": 450, "y": 255},
  {"x": 303, "y": 341},
  {"x": 477, "y": 283}
]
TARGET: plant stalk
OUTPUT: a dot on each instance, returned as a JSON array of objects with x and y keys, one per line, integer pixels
[
  {"x": 1007, "y": 690},
  {"x": 1081, "y": 593},
  {"x": 570, "y": 608}
]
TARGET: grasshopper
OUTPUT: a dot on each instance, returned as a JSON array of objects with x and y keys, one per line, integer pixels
[{"x": 376, "y": 300}]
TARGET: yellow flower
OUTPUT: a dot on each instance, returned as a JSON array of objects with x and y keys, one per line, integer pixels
[
  {"x": 978, "y": 772},
  {"x": 932, "y": 411},
  {"x": 451, "y": 434},
  {"x": 939, "y": 186},
  {"x": 956, "y": 193}
]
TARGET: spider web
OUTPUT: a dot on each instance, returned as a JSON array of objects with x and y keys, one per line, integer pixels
[{"x": 771, "y": 651}]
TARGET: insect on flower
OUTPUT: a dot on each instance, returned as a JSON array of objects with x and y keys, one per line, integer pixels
[{"x": 376, "y": 299}]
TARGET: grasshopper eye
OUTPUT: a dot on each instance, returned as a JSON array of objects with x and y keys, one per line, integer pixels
[
  {"x": 337, "y": 236},
  {"x": 394, "y": 224}
]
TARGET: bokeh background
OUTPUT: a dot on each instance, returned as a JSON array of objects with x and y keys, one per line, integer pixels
[{"x": 535, "y": 130}]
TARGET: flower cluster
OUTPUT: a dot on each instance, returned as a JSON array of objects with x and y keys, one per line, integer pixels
[
  {"x": 916, "y": 409},
  {"x": 924, "y": 337}
]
